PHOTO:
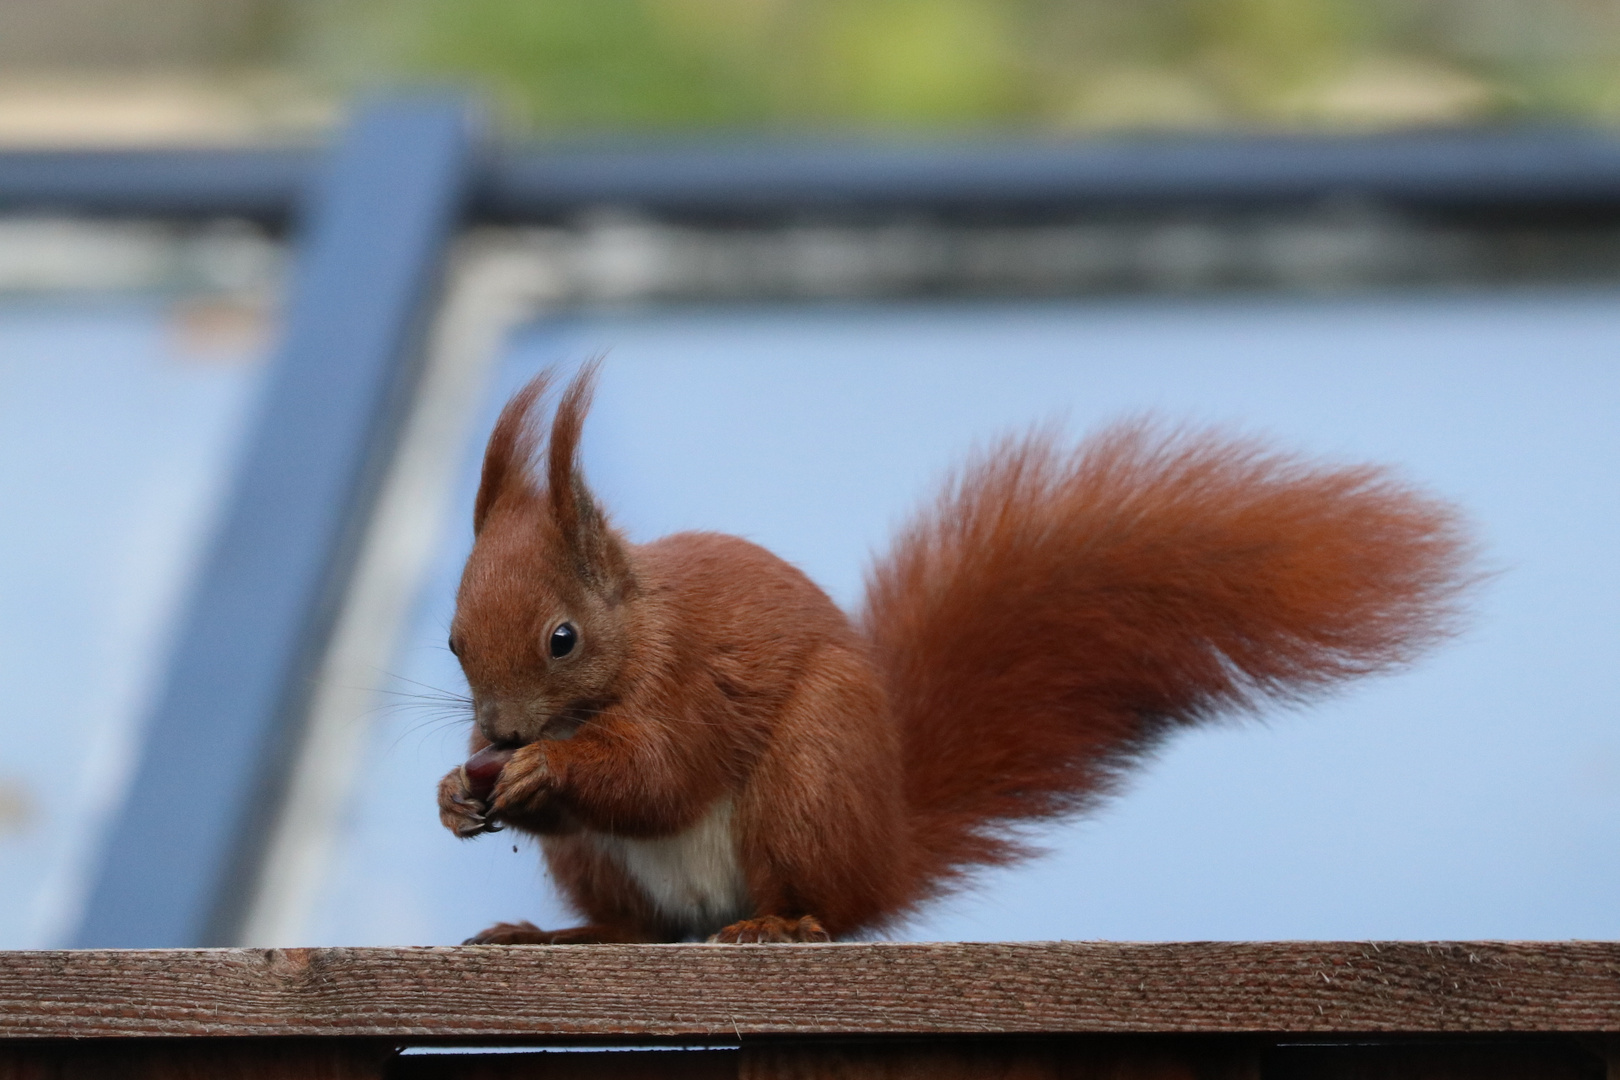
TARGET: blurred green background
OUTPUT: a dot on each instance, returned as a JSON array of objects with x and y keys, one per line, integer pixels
[{"x": 1052, "y": 65}]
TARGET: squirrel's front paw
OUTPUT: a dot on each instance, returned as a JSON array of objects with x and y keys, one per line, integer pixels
[
  {"x": 459, "y": 810},
  {"x": 524, "y": 785}
]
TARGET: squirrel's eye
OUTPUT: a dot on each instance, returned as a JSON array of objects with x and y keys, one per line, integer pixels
[
  {"x": 563, "y": 639},
  {"x": 455, "y": 647}
]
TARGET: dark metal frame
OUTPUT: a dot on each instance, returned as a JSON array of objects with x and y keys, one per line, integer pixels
[
  {"x": 1521, "y": 172},
  {"x": 1532, "y": 172},
  {"x": 375, "y": 217}
]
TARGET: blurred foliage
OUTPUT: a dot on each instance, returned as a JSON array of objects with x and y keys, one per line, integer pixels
[{"x": 1063, "y": 64}]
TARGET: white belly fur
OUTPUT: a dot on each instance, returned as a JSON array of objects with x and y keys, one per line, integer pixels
[{"x": 693, "y": 877}]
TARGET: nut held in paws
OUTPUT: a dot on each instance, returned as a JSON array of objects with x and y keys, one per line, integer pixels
[{"x": 483, "y": 769}]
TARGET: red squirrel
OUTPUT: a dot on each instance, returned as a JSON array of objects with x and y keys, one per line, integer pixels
[{"x": 709, "y": 748}]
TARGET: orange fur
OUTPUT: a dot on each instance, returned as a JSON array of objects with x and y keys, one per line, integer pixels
[
  {"x": 1090, "y": 601},
  {"x": 724, "y": 752}
]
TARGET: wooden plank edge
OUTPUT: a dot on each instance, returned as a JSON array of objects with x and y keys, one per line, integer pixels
[{"x": 708, "y": 992}]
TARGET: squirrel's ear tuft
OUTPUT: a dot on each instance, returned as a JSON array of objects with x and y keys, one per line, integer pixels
[
  {"x": 596, "y": 550},
  {"x": 511, "y": 449}
]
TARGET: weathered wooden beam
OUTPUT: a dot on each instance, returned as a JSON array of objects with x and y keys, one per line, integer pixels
[{"x": 708, "y": 992}]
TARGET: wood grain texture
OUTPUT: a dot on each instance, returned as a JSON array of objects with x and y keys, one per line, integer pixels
[{"x": 721, "y": 992}]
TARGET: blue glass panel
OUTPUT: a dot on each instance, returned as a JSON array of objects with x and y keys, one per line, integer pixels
[{"x": 119, "y": 421}]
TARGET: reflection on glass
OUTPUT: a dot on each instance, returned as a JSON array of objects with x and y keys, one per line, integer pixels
[
  {"x": 1477, "y": 796},
  {"x": 127, "y": 376}
]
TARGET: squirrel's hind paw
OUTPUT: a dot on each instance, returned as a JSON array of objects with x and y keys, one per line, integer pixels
[
  {"x": 526, "y": 933},
  {"x": 509, "y": 933},
  {"x": 772, "y": 929}
]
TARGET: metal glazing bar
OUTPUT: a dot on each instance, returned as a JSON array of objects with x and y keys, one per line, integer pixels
[
  {"x": 1529, "y": 169},
  {"x": 1491, "y": 170},
  {"x": 259, "y": 184}
]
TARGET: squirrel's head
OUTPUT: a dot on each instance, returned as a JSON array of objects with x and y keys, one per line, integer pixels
[{"x": 544, "y": 615}]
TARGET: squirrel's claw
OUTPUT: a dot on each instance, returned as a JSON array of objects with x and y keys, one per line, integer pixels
[{"x": 477, "y": 825}]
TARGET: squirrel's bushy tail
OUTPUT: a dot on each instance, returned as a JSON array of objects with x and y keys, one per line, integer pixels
[{"x": 1057, "y": 610}]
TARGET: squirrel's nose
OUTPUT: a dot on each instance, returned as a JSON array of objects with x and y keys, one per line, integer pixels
[{"x": 489, "y": 716}]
